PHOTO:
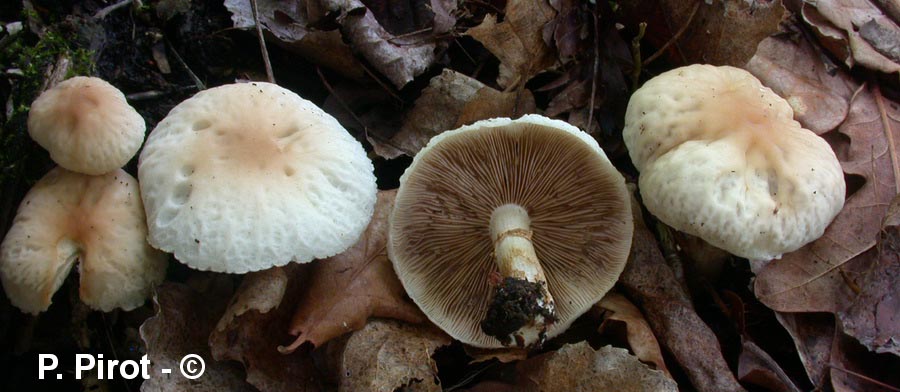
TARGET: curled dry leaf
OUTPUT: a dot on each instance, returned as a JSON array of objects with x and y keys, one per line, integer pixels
[
  {"x": 640, "y": 336},
  {"x": 345, "y": 290},
  {"x": 651, "y": 283},
  {"x": 287, "y": 21},
  {"x": 399, "y": 58},
  {"x": 182, "y": 324},
  {"x": 387, "y": 355},
  {"x": 795, "y": 71},
  {"x": 450, "y": 101},
  {"x": 874, "y": 316},
  {"x": 756, "y": 367},
  {"x": 256, "y": 323},
  {"x": 577, "y": 367},
  {"x": 719, "y": 32},
  {"x": 518, "y": 41},
  {"x": 869, "y": 35}
]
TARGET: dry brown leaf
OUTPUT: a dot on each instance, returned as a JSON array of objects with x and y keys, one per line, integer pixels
[
  {"x": 518, "y": 40},
  {"x": 756, "y": 367},
  {"x": 813, "y": 334},
  {"x": 722, "y": 32},
  {"x": 825, "y": 275},
  {"x": 387, "y": 355},
  {"x": 256, "y": 323},
  {"x": 399, "y": 58},
  {"x": 640, "y": 336},
  {"x": 651, "y": 283},
  {"x": 287, "y": 21},
  {"x": 870, "y": 50},
  {"x": 182, "y": 324},
  {"x": 577, "y": 367},
  {"x": 874, "y": 316},
  {"x": 345, "y": 290},
  {"x": 450, "y": 100},
  {"x": 795, "y": 71}
]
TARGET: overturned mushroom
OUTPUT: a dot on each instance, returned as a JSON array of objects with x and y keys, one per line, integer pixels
[
  {"x": 509, "y": 229},
  {"x": 97, "y": 221},
  {"x": 86, "y": 125},
  {"x": 248, "y": 176},
  {"x": 721, "y": 158}
]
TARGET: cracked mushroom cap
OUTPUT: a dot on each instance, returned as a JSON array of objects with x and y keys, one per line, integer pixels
[
  {"x": 244, "y": 177},
  {"x": 96, "y": 221},
  {"x": 86, "y": 125},
  {"x": 721, "y": 158},
  {"x": 440, "y": 239}
]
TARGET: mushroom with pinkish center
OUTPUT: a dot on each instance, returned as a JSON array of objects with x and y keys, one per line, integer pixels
[
  {"x": 505, "y": 231},
  {"x": 95, "y": 222},
  {"x": 248, "y": 176},
  {"x": 86, "y": 125},
  {"x": 722, "y": 158}
]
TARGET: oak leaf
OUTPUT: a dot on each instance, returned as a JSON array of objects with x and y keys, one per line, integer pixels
[
  {"x": 346, "y": 289},
  {"x": 183, "y": 321},
  {"x": 255, "y": 324},
  {"x": 715, "y": 32},
  {"x": 450, "y": 101},
  {"x": 387, "y": 355},
  {"x": 518, "y": 41},
  {"x": 578, "y": 367}
]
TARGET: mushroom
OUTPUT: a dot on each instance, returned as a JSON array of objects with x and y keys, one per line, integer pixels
[
  {"x": 86, "y": 125},
  {"x": 248, "y": 176},
  {"x": 69, "y": 217},
  {"x": 509, "y": 229},
  {"x": 721, "y": 158}
]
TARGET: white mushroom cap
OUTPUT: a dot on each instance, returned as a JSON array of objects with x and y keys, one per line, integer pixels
[
  {"x": 245, "y": 177},
  {"x": 86, "y": 125},
  {"x": 722, "y": 158},
  {"x": 68, "y": 217},
  {"x": 440, "y": 228}
]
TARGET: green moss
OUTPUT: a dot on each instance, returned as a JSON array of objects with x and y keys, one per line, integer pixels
[{"x": 31, "y": 56}]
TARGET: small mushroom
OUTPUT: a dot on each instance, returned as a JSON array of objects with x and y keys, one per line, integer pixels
[
  {"x": 507, "y": 230},
  {"x": 97, "y": 221},
  {"x": 721, "y": 158},
  {"x": 86, "y": 125},
  {"x": 248, "y": 176}
]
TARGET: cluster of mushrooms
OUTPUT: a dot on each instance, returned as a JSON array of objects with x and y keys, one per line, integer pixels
[{"x": 503, "y": 231}]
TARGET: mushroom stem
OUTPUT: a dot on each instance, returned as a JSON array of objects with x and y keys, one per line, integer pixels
[{"x": 522, "y": 305}]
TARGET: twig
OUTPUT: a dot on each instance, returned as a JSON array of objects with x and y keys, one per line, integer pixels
[
  {"x": 636, "y": 55},
  {"x": 197, "y": 81},
  {"x": 590, "y": 119},
  {"x": 355, "y": 117},
  {"x": 675, "y": 37},
  {"x": 465, "y": 52},
  {"x": 262, "y": 42},
  {"x": 153, "y": 94},
  {"x": 108, "y": 9},
  {"x": 409, "y": 34},
  {"x": 864, "y": 377},
  {"x": 889, "y": 135},
  {"x": 384, "y": 87}
]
